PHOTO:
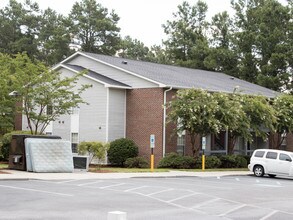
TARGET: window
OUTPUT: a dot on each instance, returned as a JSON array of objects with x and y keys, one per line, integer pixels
[
  {"x": 285, "y": 157},
  {"x": 74, "y": 142},
  {"x": 259, "y": 153},
  {"x": 272, "y": 155},
  {"x": 284, "y": 141},
  {"x": 180, "y": 144}
]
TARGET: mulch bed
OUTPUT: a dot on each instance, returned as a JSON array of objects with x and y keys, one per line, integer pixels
[
  {"x": 100, "y": 171},
  {"x": 3, "y": 172}
]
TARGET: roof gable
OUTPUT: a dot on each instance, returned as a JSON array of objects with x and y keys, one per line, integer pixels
[{"x": 106, "y": 81}]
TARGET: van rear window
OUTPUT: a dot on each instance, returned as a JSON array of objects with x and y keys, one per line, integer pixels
[{"x": 259, "y": 153}]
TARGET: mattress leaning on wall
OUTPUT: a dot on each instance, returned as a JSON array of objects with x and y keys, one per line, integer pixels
[{"x": 48, "y": 155}]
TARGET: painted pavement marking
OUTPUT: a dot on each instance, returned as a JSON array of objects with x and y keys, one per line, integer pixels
[{"x": 36, "y": 190}]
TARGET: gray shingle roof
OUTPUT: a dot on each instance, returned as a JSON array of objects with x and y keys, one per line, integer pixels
[
  {"x": 97, "y": 76},
  {"x": 180, "y": 77}
]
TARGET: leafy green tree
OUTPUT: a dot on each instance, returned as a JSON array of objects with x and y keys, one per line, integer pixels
[
  {"x": 158, "y": 54},
  {"x": 200, "y": 113},
  {"x": 233, "y": 118},
  {"x": 19, "y": 27},
  {"x": 261, "y": 115},
  {"x": 43, "y": 35},
  {"x": 94, "y": 149},
  {"x": 54, "y": 38},
  {"x": 6, "y": 103},
  {"x": 283, "y": 106},
  {"x": 222, "y": 56},
  {"x": 95, "y": 28},
  {"x": 133, "y": 49},
  {"x": 186, "y": 43},
  {"x": 45, "y": 94},
  {"x": 195, "y": 111},
  {"x": 262, "y": 42}
]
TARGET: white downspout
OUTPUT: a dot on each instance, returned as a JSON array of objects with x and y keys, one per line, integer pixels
[{"x": 164, "y": 121}]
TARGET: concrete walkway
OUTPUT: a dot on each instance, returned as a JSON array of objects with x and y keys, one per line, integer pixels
[{"x": 23, "y": 175}]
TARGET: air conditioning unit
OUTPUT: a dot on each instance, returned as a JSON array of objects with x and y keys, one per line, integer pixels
[{"x": 80, "y": 163}]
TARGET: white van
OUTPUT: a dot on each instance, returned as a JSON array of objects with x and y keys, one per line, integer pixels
[{"x": 271, "y": 162}]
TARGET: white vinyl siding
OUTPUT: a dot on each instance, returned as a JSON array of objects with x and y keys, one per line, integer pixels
[
  {"x": 116, "y": 114},
  {"x": 92, "y": 117},
  {"x": 112, "y": 72}
]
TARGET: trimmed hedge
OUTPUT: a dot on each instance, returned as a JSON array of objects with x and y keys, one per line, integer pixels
[
  {"x": 136, "y": 162},
  {"x": 211, "y": 162},
  {"x": 176, "y": 161},
  {"x": 120, "y": 150},
  {"x": 233, "y": 161}
]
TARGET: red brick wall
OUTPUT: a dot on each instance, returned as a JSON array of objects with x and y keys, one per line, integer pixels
[
  {"x": 18, "y": 118},
  {"x": 144, "y": 116},
  {"x": 289, "y": 142},
  {"x": 171, "y": 134}
]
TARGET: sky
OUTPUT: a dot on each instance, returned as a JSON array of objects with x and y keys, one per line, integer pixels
[{"x": 140, "y": 19}]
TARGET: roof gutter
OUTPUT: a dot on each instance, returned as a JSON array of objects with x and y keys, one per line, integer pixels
[{"x": 164, "y": 121}]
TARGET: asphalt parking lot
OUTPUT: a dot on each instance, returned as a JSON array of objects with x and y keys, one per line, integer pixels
[{"x": 230, "y": 197}]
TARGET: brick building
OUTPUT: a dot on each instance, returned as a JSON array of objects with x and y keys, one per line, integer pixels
[{"x": 127, "y": 98}]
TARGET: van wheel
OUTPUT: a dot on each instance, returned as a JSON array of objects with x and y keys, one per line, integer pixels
[
  {"x": 272, "y": 175},
  {"x": 258, "y": 171}
]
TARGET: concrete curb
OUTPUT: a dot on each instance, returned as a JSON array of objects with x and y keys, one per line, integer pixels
[{"x": 23, "y": 175}]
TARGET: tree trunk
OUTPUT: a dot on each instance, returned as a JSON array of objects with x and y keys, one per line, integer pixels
[
  {"x": 231, "y": 144},
  {"x": 195, "y": 148}
]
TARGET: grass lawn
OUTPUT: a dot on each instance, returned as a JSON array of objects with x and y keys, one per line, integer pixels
[
  {"x": 123, "y": 170},
  {"x": 105, "y": 169},
  {"x": 3, "y": 165},
  {"x": 215, "y": 170}
]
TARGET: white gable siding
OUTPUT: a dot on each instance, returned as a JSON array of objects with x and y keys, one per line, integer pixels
[
  {"x": 117, "y": 108},
  {"x": 92, "y": 117},
  {"x": 112, "y": 72}
]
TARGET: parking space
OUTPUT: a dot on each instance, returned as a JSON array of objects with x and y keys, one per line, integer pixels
[{"x": 232, "y": 197}]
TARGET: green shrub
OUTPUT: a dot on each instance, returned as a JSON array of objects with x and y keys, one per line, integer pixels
[
  {"x": 211, "y": 162},
  {"x": 176, "y": 161},
  {"x": 233, "y": 161},
  {"x": 241, "y": 161},
  {"x": 136, "y": 162},
  {"x": 247, "y": 158},
  {"x": 120, "y": 150},
  {"x": 5, "y": 142},
  {"x": 94, "y": 149}
]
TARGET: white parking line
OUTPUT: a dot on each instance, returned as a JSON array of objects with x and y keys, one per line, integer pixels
[
  {"x": 67, "y": 181},
  {"x": 129, "y": 190},
  {"x": 118, "y": 184},
  {"x": 267, "y": 185},
  {"x": 182, "y": 197},
  {"x": 36, "y": 190},
  {"x": 206, "y": 203},
  {"x": 232, "y": 210},
  {"x": 269, "y": 215},
  {"x": 154, "y": 193},
  {"x": 85, "y": 184}
]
